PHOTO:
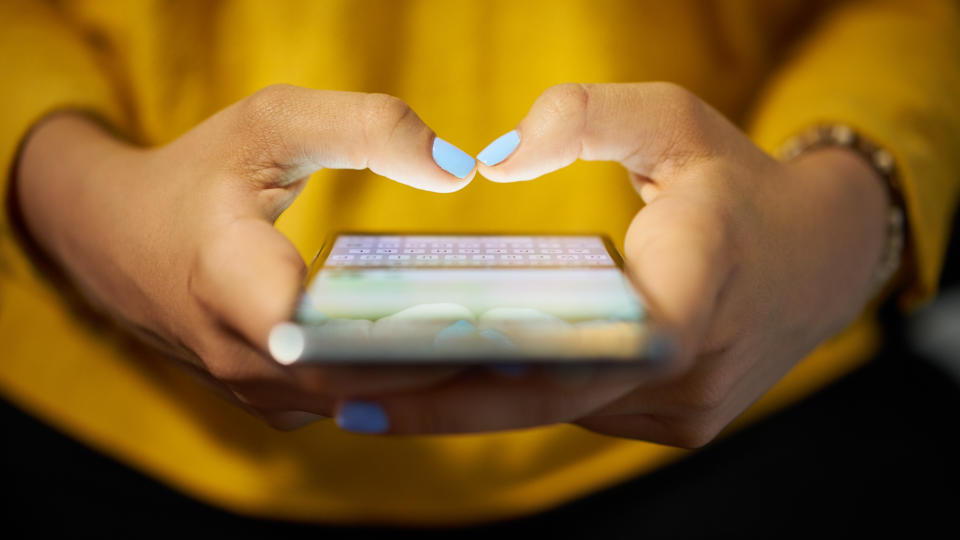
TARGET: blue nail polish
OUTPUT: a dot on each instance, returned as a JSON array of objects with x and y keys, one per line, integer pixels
[
  {"x": 459, "y": 329},
  {"x": 362, "y": 417},
  {"x": 452, "y": 159},
  {"x": 499, "y": 149}
]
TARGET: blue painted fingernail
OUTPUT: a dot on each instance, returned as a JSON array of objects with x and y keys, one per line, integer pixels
[
  {"x": 452, "y": 159},
  {"x": 499, "y": 149},
  {"x": 459, "y": 329},
  {"x": 362, "y": 417}
]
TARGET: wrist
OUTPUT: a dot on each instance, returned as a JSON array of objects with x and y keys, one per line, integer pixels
[
  {"x": 843, "y": 203},
  {"x": 60, "y": 167},
  {"x": 841, "y": 136}
]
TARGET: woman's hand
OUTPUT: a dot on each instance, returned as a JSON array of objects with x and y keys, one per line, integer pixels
[
  {"x": 749, "y": 261},
  {"x": 178, "y": 241}
]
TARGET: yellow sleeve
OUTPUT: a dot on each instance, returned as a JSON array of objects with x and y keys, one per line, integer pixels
[
  {"x": 891, "y": 70},
  {"x": 46, "y": 66}
]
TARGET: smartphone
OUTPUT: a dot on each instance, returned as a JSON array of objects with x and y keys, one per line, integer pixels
[{"x": 450, "y": 298}]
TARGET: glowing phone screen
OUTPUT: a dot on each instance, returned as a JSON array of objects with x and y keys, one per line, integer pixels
[{"x": 489, "y": 297}]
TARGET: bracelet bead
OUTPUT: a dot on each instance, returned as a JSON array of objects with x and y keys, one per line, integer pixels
[{"x": 840, "y": 135}]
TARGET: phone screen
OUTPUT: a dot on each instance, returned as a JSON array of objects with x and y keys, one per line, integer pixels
[{"x": 435, "y": 298}]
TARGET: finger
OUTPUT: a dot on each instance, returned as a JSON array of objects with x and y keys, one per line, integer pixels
[
  {"x": 672, "y": 431},
  {"x": 485, "y": 402},
  {"x": 261, "y": 385},
  {"x": 296, "y": 131},
  {"x": 284, "y": 420},
  {"x": 348, "y": 381},
  {"x": 246, "y": 377},
  {"x": 635, "y": 426},
  {"x": 291, "y": 420},
  {"x": 249, "y": 276},
  {"x": 660, "y": 133},
  {"x": 648, "y": 127},
  {"x": 277, "y": 417},
  {"x": 676, "y": 250},
  {"x": 288, "y": 400}
]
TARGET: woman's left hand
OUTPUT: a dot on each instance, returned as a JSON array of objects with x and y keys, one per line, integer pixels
[{"x": 750, "y": 262}]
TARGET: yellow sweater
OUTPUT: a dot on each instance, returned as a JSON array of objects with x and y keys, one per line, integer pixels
[{"x": 470, "y": 69}]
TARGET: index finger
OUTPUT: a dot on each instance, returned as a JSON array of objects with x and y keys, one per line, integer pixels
[{"x": 486, "y": 402}]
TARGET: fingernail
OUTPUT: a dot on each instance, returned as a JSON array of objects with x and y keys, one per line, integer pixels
[
  {"x": 286, "y": 343},
  {"x": 457, "y": 330},
  {"x": 511, "y": 370},
  {"x": 362, "y": 417},
  {"x": 499, "y": 149},
  {"x": 452, "y": 159}
]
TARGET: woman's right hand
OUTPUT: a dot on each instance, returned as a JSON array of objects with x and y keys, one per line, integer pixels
[{"x": 178, "y": 241}]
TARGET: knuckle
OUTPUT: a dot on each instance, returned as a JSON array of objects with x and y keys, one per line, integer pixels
[
  {"x": 264, "y": 104},
  {"x": 259, "y": 124},
  {"x": 683, "y": 104},
  {"x": 386, "y": 109},
  {"x": 383, "y": 114},
  {"x": 687, "y": 120},
  {"x": 566, "y": 101},
  {"x": 673, "y": 92}
]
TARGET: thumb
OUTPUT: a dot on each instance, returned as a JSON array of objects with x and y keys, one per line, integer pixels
[
  {"x": 661, "y": 133},
  {"x": 678, "y": 255},
  {"x": 647, "y": 127},
  {"x": 249, "y": 275}
]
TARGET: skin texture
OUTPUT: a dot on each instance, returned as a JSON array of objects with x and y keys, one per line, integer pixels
[
  {"x": 177, "y": 242},
  {"x": 748, "y": 261}
]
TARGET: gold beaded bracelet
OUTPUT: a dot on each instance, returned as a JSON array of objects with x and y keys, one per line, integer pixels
[{"x": 839, "y": 135}]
